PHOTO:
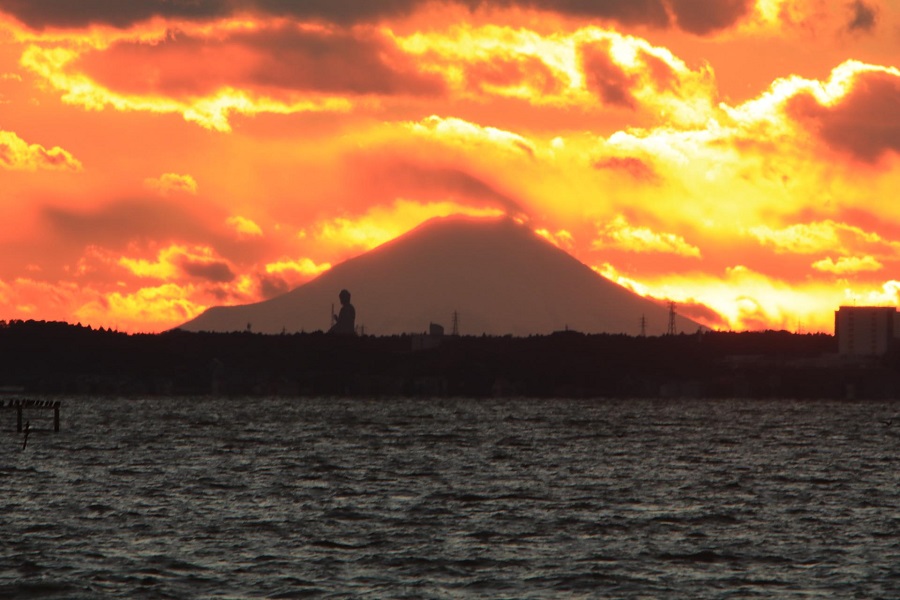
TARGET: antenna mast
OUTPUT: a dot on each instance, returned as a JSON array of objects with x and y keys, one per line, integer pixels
[
  {"x": 643, "y": 326},
  {"x": 455, "y": 322}
]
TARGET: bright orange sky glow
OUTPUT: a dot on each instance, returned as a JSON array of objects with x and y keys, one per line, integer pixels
[{"x": 739, "y": 157}]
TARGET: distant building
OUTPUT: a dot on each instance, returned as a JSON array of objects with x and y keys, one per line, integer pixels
[
  {"x": 430, "y": 340},
  {"x": 865, "y": 330}
]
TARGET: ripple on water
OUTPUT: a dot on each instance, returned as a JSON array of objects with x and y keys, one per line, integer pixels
[{"x": 278, "y": 498}]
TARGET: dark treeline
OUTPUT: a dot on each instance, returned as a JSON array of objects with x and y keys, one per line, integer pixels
[{"x": 58, "y": 358}]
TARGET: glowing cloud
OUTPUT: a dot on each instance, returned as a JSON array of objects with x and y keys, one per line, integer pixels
[
  {"x": 800, "y": 239},
  {"x": 619, "y": 234},
  {"x": 743, "y": 299},
  {"x": 887, "y": 295},
  {"x": 561, "y": 239},
  {"x": 170, "y": 183},
  {"x": 181, "y": 261},
  {"x": 211, "y": 111},
  {"x": 821, "y": 236},
  {"x": 147, "y": 307},
  {"x": 244, "y": 227},
  {"x": 304, "y": 266},
  {"x": 383, "y": 224},
  {"x": 283, "y": 275},
  {"x": 18, "y": 155},
  {"x": 847, "y": 264},
  {"x": 464, "y": 133},
  {"x": 574, "y": 70}
]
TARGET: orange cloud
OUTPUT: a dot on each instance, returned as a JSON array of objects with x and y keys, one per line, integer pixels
[
  {"x": 887, "y": 295},
  {"x": 211, "y": 111},
  {"x": 169, "y": 183},
  {"x": 620, "y": 234},
  {"x": 561, "y": 239},
  {"x": 283, "y": 275},
  {"x": 146, "y": 309},
  {"x": 199, "y": 263},
  {"x": 281, "y": 59},
  {"x": 516, "y": 77},
  {"x": 822, "y": 236},
  {"x": 852, "y": 111},
  {"x": 382, "y": 224},
  {"x": 461, "y": 133},
  {"x": 744, "y": 299},
  {"x": 303, "y": 266},
  {"x": 26, "y": 297},
  {"x": 801, "y": 239},
  {"x": 244, "y": 227},
  {"x": 566, "y": 69},
  {"x": 18, "y": 155},
  {"x": 863, "y": 121},
  {"x": 637, "y": 168},
  {"x": 847, "y": 264}
]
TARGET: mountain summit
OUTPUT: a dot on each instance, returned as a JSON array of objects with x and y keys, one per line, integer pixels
[{"x": 498, "y": 276}]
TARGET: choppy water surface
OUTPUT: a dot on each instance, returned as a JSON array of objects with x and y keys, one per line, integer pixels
[{"x": 278, "y": 498}]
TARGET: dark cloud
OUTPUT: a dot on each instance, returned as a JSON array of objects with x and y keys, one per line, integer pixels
[
  {"x": 703, "y": 17},
  {"x": 359, "y": 63},
  {"x": 117, "y": 224},
  {"x": 216, "y": 272},
  {"x": 271, "y": 286},
  {"x": 362, "y": 62},
  {"x": 344, "y": 12},
  {"x": 863, "y": 17},
  {"x": 439, "y": 182},
  {"x": 865, "y": 123},
  {"x": 122, "y": 13},
  {"x": 118, "y": 13},
  {"x": 697, "y": 16},
  {"x": 605, "y": 78},
  {"x": 628, "y": 12}
]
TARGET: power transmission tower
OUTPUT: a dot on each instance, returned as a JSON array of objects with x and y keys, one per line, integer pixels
[
  {"x": 643, "y": 326},
  {"x": 671, "y": 330},
  {"x": 455, "y": 322}
]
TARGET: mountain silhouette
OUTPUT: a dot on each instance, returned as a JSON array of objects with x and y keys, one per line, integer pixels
[{"x": 499, "y": 277}]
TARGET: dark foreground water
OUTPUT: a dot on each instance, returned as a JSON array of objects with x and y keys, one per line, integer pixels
[{"x": 276, "y": 498}]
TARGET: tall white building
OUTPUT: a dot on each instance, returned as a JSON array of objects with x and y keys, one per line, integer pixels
[{"x": 865, "y": 330}]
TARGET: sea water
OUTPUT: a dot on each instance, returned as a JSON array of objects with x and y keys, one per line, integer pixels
[{"x": 395, "y": 498}]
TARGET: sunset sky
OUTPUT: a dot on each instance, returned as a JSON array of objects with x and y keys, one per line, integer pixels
[{"x": 158, "y": 157}]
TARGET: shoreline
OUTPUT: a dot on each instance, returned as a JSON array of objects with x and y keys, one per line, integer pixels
[{"x": 42, "y": 358}]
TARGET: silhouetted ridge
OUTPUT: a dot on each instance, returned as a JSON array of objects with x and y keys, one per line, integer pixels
[{"x": 499, "y": 276}]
